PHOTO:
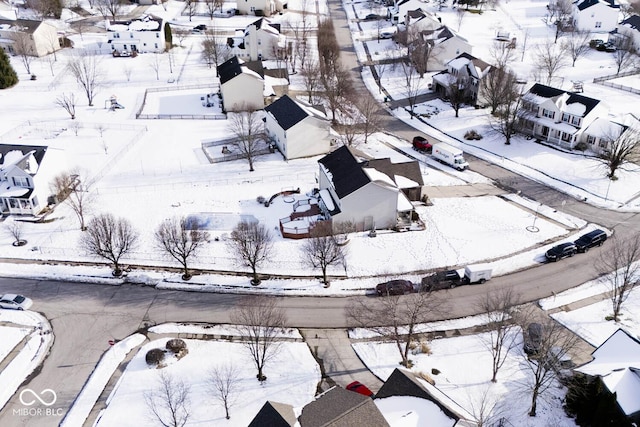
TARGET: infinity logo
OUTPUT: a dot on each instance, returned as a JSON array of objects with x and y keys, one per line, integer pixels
[{"x": 38, "y": 398}]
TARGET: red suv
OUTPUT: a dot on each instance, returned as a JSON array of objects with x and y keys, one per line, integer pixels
[{"x": 420, "y": 143}]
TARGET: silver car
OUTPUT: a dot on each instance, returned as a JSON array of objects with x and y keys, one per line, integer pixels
[{"x": 15, "y": 302}]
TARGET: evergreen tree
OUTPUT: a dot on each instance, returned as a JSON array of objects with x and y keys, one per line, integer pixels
[
  {"x": 8, "y": 76},
  {"x": 168, "y": 37}
]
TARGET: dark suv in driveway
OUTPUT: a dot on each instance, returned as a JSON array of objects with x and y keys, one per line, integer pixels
[
  {"x": 591, "y": 239},
  {"x": 394, "y": 287},
  {"x": 563, "y": 250},
  {"x": 441, "y": 280}
]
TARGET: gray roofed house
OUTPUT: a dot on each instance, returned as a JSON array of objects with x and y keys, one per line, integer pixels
[
  {"x": 297, "y": 129},
  {"x": 370, "y": 194},
  {"x": 33, "y": 38},
  {"x": 274, "y": 414},
  {"x": 338, "y": 407},
  {"x": 241, "y": 86}
]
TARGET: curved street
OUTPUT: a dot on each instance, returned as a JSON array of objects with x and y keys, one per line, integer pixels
[{"x": 85, "y": 317}]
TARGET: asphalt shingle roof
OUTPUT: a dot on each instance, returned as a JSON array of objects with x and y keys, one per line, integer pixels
[
  {"x": 286, "y": 112},
  {"x": 346, "y": 172}
]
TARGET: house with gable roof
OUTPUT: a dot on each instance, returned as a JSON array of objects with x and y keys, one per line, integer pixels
[
  {"x": 557, "y": 116},
  {"x": 445, "y": 44},
  {"x": 274, "y": 414},
  {"x": 24, "y": 179},
  {"x": 261, "y": 7},
  {"x": 241, "y": 86},
  {"x": 297, "y": 129},
  {"x": 617, "y": 363},
  {"x": 596, "y": 16},
  {"x": 601, "y": 132},
  {"x": 463, "y": 68},
  {"x": 259, "y": 40},
  {"x": 139, "y": 35},
  {"x": 368, "y": 194},
  {"x": 404, "y": 383},
  {"x": 630, "y": 28},
  {"x": 36, "y": 38}
]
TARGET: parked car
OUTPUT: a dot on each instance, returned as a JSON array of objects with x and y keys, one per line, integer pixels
[
  {"x": 394, "y": 287},
  {"x": 420, "y": 143},
  {"x": 595, "y": 43},
  {"x": 387, "y": 34},
  {"x": 358, "y": 387},
  {"x": 533, "y": 338},
  {"x": 372, "y": 17},
  {"x": 610, "y": 47},
  {"x": 15, "y": 302},
  {"x": 200, "y": 27},
  {"x": 448, "y": 279},
  {"x": 590, "y": 239},
  {"x": 563, "y": 250}
]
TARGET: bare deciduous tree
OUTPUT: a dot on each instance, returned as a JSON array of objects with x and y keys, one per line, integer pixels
[
  {"x": 214, "y": 49},
  {"x": 412, "y": 84},
  {"x": 458, "y": 91},
  {"x": 191, "y": 7},
  {"x": 181, "y": 239},
  {"x": 370, "y": 111},
  {"x": 485, "y": 407},
  {"x": 621, "y": 151},
  {"x": 560, "y": 12},
  {"x": 499, "y": 307},
  {"x": 108, "y": 8},
  {"x": 421, "y": 50},
  {"x": 506, "y": 120},
  {"x": 619, "y": 269},
  {"x": 576, "y": 44},
  {"x": 223, "y": 384},
  {"x": 498, "y": 87},
  {"x": 110, "y": 238},
  {"x": 14, "y": 228},
  {"x": 550, "y": 59},
  {"x": 502, "y": 54},
  {"x": 322, "y": 249},
  {"x": 625, "y": 55},
  {"x": 252, "y": 243},
  {"x": 154, "y": 63},
  {"x": 87, "y": 71},
  {"x": 127, "y": 70},
  {"x": 395, "y": 317},
  {"x": 68, "y": 102},
  {"x": 74, "y": 189},
  {"x": 310, "y": 72},
  {"x": 553, "y": 348},
  {"x": 23, "y": 47},
  {"x": 260, "y": 321},
  {"x": 247, "y": 126},
  {"x": 181, "y": 34},
  {"x": 169, "y": 403}
]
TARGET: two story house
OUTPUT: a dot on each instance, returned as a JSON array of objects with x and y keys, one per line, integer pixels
[
  {"x": 445, "y": 44},
  {"x": 24, "y": 36},
  {"x": 596, "y": 16},
  {"x": 140, "y": 35},
  {"x": 24, "y": 188},
  {"x": 260, "y": 40},
  {"x": 241, "y": 86},
  {"x": 261, "y": 7},
  {"x": 601, "y": 132},
  {"x": 463, "y": 68},
  {"x": 297, "y": 129},
  {"x": 630, "y": 29},
  {"x": 368, "y": 194},
  {"x": 557, "y": 116}
]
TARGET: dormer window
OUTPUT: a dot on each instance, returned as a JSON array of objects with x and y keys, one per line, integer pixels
[
  {"x": 548, "y": 113},
  {"x": 20, "y": 181},
  {"x": 565, "y": 117}
]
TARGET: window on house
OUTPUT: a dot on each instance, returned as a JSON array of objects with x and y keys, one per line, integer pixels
[
  {"x": 253, "y": 9},
  {"x": 598, "y": 24},
  {"x": 20, "y": 181},
  {"x": 565, "y": 117},
  {"x": 116, "y": 35},
  {"x": 575, "y": 121},
  {"x": 591, "y": 139},
  {"x": 156, "y": 45},
  {"x": 602, "y": 143},
  {"x": 548, "y": 113},
  {"x": 566, "y": 137},
  {"x": 130, "y": 35},
  {"x": 157, "y": 35}
]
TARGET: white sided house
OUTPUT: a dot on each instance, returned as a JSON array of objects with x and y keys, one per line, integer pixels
[
  {"x": 142, "y": 35},
  {"x": 464, "y": 69},
  {"x": 24, "y": 182},
  {"x": 630, "y": 28},
  {"x": 596, "y": 16},
  {"x": 260, "y": 40},
  {"x": 557, "y": 116},
  {"x": 298, "y": 130},
  {"x": 32, "y": 38},
  {"x": 445, "y": 44},
  {"x": 241, "y": 87},
  {"x": 600, "y": 134},
  {"x": 261, "y": 7},
  {"x": 370, "y": 194}
]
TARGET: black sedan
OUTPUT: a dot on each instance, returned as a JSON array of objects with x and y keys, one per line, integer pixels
[{"x": 395, "y": 287}]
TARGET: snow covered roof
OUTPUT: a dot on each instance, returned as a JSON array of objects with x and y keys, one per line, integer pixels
[
  {"x": 380, "y": 177},
  {"x": 236, "y": 66},
  {"x": 568, "y": 102},
  {"x": 146, "y": 23},
  {"x": 585, "y": 4},
  {"x": 632, "y": 22},
  {"x": 26, "y": 157},
  {"x": 617, "y": 362},
  {"x": 603, "y": 127}
]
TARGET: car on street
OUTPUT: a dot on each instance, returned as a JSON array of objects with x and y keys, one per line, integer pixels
[
  {"x": 358, "y": 387},
  {"x": 387, "y": 34},
  {"x": 590, "y": 239},
  {"x": 533, "y": 338},
  {"x": 200, "y": 27},
  {"x": 372, "y": 17},
  {"x": 448, "y": 279},
  {"x": 394, "y": 287},
  {"x": 420, "y": 143},
  {"x": 563, "y": 250},
  {"x": 15, "y": 302}
]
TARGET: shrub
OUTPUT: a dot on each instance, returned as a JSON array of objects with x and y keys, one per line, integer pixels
[
  {"x": 154, "y": 356},
  {"x": 424, "y": 348},
  {"x": 176, "y": 345},
  {"x": 426, "y": 377},
  {"x": 435, "y": 371},
  {"x": 472, "y": 134},
  {"x": 581, "y": 146},
  {"x": 261, "y": 200}
]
